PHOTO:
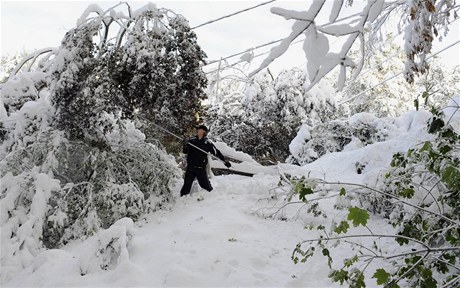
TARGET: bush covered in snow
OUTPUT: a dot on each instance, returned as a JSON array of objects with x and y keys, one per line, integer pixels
[
  {"x": 333, "y": 136},
  {"x": 55, "y": 189},
  {"x": 73, "y": 158},
  {"x": 262, "y": 117},
  {"x": 419, "y": 196}
]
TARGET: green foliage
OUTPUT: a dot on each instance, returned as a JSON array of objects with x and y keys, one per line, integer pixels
[
  {"x": 303, "y": 187},
  {"x": 262, "y": 117},
  {"x": 382, "y": 277},
  {"x": 340, "y": 276},
  {"x": 358, "y": 216},
  {"x": 420, "y": 197},
  {"x": 342, "y": 227},
  {"x": 152, "y": 75},
  {"x": 302, "y": 191}
]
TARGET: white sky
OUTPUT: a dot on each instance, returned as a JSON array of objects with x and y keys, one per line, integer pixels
[{"x": 34, "y": 25}]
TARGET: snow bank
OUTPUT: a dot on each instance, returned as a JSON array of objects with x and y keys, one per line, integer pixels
[
  {"x": 402, "y": 133},
  {"x": 226, "y": 237},
  {"x": 107, "y": 249},
  {"x": 247, "y": 165}
]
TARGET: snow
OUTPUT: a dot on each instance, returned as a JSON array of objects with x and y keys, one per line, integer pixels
[
  {"x": 236, "y": 235},
  {"x": 376, "y": 7},
  {"x": 218, "y": 241},
  {"x": 452, "y": 113},
  {"x": 296, "y": 147},
  {"x": 335, "y": 10},
  {"x": 297, "y": 28},
  {"x": 148, "y": 7},
  {"x": 92, "y": 8}
]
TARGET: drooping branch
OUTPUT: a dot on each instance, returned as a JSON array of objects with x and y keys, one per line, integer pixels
[
  {"x": 391, "y": 196},
  {"x": 31, "y": 57}
]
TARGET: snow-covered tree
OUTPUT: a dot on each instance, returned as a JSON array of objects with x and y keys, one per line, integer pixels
[
  {"x": 379, "y": 90},
  {"x": 312, "y": 142},
  {"x": 419, "y": 195},
  {"x": 370, "y": 93},
  {"x": 421, "y": 20},
  {"x": 263, "y": 116},
  {"x": 74, "y": 159},
  {"x": 8, "y": 63},
  {"x": 152, "y": 70},
  {"x": 437, "y": 86}
]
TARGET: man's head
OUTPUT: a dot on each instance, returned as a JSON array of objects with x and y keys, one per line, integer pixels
[{"x": 201, "y": 131}]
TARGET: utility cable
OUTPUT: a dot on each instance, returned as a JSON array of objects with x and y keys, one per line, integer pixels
[
  {"x": 394, "y": 55},
  {"x": 233, "y": 14},
  {"x": 245, "y": 51},
  {"x": 273, "y": 42},
  {"x": 241, "y": 61},
  {"x": 390, "y": 78}
]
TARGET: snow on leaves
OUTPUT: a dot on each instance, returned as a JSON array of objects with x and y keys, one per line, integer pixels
[
  {"x": 423, "y": 21},
  {"x": 73, "y": 158}
]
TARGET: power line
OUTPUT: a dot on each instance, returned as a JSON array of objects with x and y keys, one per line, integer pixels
[
  {"x": 390, "y": 78},
  {"x": 233, "y": 14},
  {"x": 255, "y": 56},
  {"x": 273, "y": 42},
  {"x": 392, "y": 56},
  {"x": 245, "y": 51}
]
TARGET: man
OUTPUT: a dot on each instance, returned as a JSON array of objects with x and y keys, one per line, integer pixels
[{"x": 197, "y": 160}]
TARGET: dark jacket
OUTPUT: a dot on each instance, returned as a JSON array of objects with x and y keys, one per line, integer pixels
[{"x": 195, "y": 157}]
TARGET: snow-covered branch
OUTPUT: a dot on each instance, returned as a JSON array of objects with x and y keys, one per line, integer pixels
[{"x": 422, "y": 24}]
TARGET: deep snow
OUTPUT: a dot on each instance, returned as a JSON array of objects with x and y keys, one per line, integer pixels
[
  {"x": 225, "y": 237},
  {"x": 206, "y": 240}
]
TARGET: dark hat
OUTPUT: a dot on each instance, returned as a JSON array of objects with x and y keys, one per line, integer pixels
[{"x": 201, "y": 126}]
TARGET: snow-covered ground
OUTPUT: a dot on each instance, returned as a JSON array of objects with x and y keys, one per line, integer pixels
[
  {"x": 205, "y": 240},
  {"x": 224, "y": 237}
]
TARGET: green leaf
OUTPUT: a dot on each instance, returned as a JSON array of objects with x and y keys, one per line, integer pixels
[
  {"x": 427, "y": 278},
  {"x": 342, "y": 227},
  {"x": 445, "y": 149},
  {"x": 427, "y": 146},
  {"x": 303, "y": 191},
  {"x": 407, "y": 193},
  {"x": 349, "y": 261},
  {"x": 451, "y": 176},
  {"x": 357, "y": 278},
  {"x": 358, "y": 216},
  {"x": 339, "y": 276},
  {"x": 416, "y": 104},
  {"x": 382, "y": 276},
  {"x": 429, "y": 283},
  {"x": 436, "y": 125},
  {"x": 342, "y": 191}
]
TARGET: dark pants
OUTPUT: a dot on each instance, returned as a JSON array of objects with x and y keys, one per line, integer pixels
[{"x": 190, "y": 174}]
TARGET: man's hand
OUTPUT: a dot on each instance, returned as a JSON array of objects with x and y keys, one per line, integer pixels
[{"x": 227, "y": 164}]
